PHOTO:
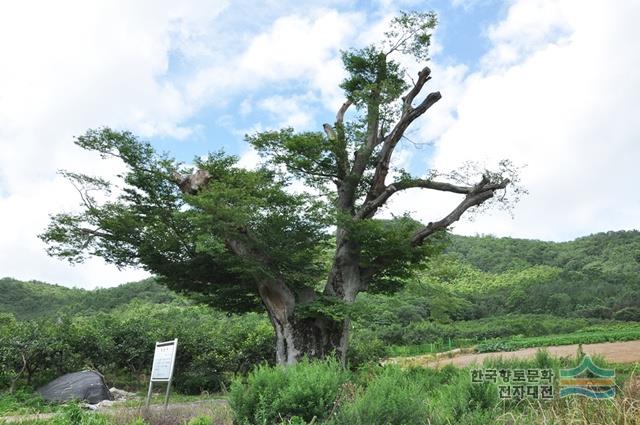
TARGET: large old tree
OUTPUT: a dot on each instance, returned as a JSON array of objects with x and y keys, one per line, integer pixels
[{"x": 244, "y": 239}]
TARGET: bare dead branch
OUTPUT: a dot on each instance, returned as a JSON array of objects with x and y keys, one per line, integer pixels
[
  {"x": 339, "y": 145},
  {"x": 342, "y": 111},
  {"x": 370, "y": 207},
  {"x": 391, "y": 140},
  {"x": 329, "y": 131},
  {"x": 479, "y": 194},
  {"x": 92, "y": 233},
  {"x": 84, "y": 197},
  {"x": 191, "y": 184},
  {"x": 407, "y": 100},
  {"x": 475, "y": 196}
]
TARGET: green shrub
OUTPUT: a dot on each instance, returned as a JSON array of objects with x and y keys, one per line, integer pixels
[
  {"x": 597, "y": 311},
  {"x": 629, "y": 314},
  {"x": 73, "y": 414},
  {"x": 392, "y": 397},
  {"x": 365, "y": 347},
  {"x": 295, "y": 420},
  {"x": 22, "y": 402},
  {"x": 200, "y": 420},
  {"x": 593, "y": 334},
  {"x": 139, "y": 421},
  {"x": 462, "y": 402},
  {"x": 270, "y": 395}
]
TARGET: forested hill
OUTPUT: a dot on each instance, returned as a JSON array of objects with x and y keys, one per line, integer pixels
[
  {"x": 608, "y": 253},
  {"x": 601, "y": 271},
  {"x": 29, "y": 300}
]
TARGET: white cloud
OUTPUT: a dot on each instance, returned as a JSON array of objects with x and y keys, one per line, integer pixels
[
  {"x": 528, "y": 27},
  {"x": 566, "y": 105},
  {"x": 68, "y": 66},
  {"x": 556, "y": 91},
  {"x": 290, "y": 111},
  {"x": 246, "y": 106},
  {"x": 144, "y": 66},
  {"x": 296, "y": 48},
  {"x": 22, "y": 254},
  {"x": 249, "y": 160}
]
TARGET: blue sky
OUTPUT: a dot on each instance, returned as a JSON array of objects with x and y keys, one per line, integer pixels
[
  {"x": 461, "y": 38},
  {"x": 548, "y": 84}
]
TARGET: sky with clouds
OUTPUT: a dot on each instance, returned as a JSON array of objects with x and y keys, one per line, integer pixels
[{"x": 550, "y": 84}]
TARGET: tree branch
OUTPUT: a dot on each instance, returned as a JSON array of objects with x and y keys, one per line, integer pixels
[
  {"x": 191, "y": 184},
  {"x": 407, "y": 100},
  {"x": 479, "y": 194},
  {"x": 342, "y": 111},
  {"x": 338, "y": 142},
  {"x": 409, "y": 115},
  {"x": 369, "y": 208},
  {"x": 475, "y": 195},
  {"x": 313, "y": 173},
  {"x": 94, "y": 233}
]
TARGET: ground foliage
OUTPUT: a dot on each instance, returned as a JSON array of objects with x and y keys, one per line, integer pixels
[{"x": 476, "y": 293}]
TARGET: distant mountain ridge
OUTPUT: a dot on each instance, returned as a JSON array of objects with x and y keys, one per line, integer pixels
[
  {"x": 29, "y": 300},
  {"x": 616, "y": 252},
  {"x": 613, "y": 255}
]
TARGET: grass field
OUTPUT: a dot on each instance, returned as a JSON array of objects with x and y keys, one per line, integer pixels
[
  {"x": 442, "y": 396},
  {"x": 590, "y": 334},
  {"x": 380, "y": 395}
]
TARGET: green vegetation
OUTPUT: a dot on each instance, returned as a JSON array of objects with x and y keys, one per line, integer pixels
[
  {"x": 590, "y": 335},
  {"x": 244, "y": 240},
  {"x": 35, "y": 300},
  {"x": 315, "y": 274},
  {"x": 305, "y": 390},
  {"x": 23, "y": 403},
  {"x": 478, "y": 291},
  {"x": 74, "y": 414},
  {"x": 119, "y": 344},
  {"x": 451, "y": 303},
  {"x": 389, "y": 395},
  {"x": 322, "y": 392},
  {"x": 392, "y": 396}
]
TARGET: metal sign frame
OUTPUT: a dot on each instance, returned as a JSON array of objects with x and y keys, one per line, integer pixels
[{"x": 154, "y": 367}]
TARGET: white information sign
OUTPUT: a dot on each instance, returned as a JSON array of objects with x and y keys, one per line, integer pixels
[{"x": 164, "y": 358}]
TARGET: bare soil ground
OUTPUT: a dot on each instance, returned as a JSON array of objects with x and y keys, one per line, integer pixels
[
  {"x": 176, "y": 413},
  {"x": 617, "y": 352}
]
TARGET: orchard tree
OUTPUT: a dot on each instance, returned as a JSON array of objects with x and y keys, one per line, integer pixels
[{"x": 244, "y": 239}]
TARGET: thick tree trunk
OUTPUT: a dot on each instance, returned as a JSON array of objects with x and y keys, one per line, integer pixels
[
  {"x": 319, "y": 336},
  {"x": 14, "y": 380},
  {"x": 315, "y": 338},
  {"x": 13, "y": 384},
  {"x": 312, "y": 337}
]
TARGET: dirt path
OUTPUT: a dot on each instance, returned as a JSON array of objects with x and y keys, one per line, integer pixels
[
  {"x": 618, "y": 352},
  {"x": 23, "y": 418},
  {"x": 217, "y": 408}
]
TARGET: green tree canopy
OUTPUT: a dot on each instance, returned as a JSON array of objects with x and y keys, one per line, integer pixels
[{"x": 243, "y": 238}]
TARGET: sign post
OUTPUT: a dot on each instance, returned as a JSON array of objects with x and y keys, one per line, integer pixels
[{"x": 164, "y": 359}]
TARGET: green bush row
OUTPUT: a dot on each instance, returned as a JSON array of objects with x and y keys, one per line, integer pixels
[
  {"x": 323, "y": 393},
  {"x": 212, "y": 347},
  {"x": 428, "y": 331},
  {"x": 583, "y": 337}
]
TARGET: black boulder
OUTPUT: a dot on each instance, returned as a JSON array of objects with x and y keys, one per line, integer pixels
[{"x": 86, "y": 386}]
